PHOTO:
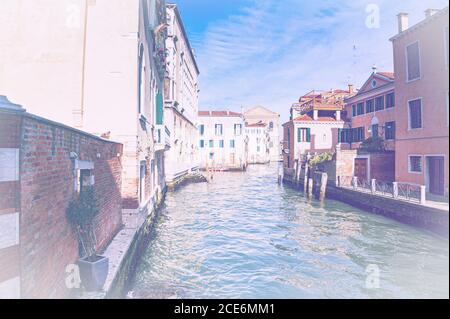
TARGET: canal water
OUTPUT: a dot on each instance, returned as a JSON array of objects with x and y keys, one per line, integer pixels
[{"x": 244, "y": 236}]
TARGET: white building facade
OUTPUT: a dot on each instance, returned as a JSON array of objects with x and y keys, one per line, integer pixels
[
  {"x": 260, "y": 114},
  {"x": 222, "y": 141},
  {"x": 98, "y": 66},
  {"x": 258, "y": 137},
  {"x": 181, "y": 101}
]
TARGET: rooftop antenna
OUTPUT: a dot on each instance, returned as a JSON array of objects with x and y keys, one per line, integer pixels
[{"x": 353, "y": 66}]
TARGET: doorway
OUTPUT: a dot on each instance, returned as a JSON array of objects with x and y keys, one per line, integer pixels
[
  {"x": 361, "y": 167},
  {"x": 436, "y": 174}
]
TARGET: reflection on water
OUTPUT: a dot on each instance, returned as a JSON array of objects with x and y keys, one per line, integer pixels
[{"x": 244, "y": 236}]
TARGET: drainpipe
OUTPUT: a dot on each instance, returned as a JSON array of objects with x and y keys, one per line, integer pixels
[{"x": 79, "y": 113}]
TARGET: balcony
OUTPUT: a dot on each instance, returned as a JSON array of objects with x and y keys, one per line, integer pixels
[{"x": 162, "y": 138}]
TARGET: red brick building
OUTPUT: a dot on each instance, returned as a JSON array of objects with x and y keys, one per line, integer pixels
[{"x": 42, "y": 166}]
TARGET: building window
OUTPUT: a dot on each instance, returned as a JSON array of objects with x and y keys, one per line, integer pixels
[
  {"x": 86, "y": 179},
  {"x": 375, "y": 130},
  {"x": 379, "y": 103},
  {"x": 201, "y": 129},
  {"x": 389, "y": 131},
  {"x": 219, "y": 129},
  {"x": 413, "y": 61},
  {"x": 360, "y": 108},
  {"x": 304, "y": 135},
  {"x": 202, "y": 143},
  {"x": 159, "y": 109},
  {"x": 358, "y": 134},
  {"x": 211, "y": 156},
  {"x": 141, "y": 81},
  {"x": 415, "y": 164},
  {"x": 271, "y": 126},
  {"x": 415, "y": 114},
  {"x": 344, "y": 135},
  {"x": 258, "y": 149},
  {"x": 211, "y": 143},
  {"x": 232, "y": 144},
  {"x": 237, "y": 129},
  {"x": 221, "y": 144},
  {"x": 354, "y": 111},
  {"x": 369, "y": 106},
  {"x": 374, "y": 83},
  {"x": 390, "y": 100}
]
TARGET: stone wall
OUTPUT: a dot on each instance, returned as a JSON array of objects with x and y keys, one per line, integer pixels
[{"x": 343, "y": 164}]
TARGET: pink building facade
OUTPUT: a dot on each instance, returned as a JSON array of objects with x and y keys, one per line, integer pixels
[
  {"x": 421, "y": 65},
  {"x": 371, "y": 113}
]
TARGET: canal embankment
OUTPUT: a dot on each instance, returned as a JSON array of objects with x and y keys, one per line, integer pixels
[
  {"x": 425, "y": 217},
  {"x": 126, "y": 247}
]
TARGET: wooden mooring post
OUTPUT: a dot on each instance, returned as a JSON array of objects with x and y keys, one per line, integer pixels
[
  {"x": 310, "y": 187},
  {"x": 305, "y": 178},
  {"x": 323, "y": 186}
]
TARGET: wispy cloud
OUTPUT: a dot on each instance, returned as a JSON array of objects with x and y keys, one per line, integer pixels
[{"x": 273, "y": 51}]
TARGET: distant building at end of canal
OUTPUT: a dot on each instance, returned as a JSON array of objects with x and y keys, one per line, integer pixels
[
  {"x": 262, "y": 126},
  {"x": 222, "y": 142}
]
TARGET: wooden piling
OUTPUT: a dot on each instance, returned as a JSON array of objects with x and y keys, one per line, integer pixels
[
  {"x": 323, "y": 186},
  {"x": 310, "y": 187},
  {"x": 305, "y": 178}
]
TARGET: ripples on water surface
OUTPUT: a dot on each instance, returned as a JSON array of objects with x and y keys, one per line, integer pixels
[{"x": 244, "y": 236}]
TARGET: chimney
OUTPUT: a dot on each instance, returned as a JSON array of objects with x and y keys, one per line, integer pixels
[
  {"x": 403, "y": 22},
  {"x": 350, "y": 88},
  {"x": 430, "y": 12}
]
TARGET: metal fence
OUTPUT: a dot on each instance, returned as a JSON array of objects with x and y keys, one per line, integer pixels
[
  {"x": 384, "y": 188},
  {"x": 402, "y": 191},
  {"x": 410, "y": 192}
]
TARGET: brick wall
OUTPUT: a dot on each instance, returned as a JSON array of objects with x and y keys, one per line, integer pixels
[{"x": 48, "y": 178}]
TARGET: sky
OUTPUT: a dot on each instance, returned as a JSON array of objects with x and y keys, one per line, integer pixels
[{"x": 270, "y": 52}]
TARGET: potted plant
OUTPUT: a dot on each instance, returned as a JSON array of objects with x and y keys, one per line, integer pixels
[{"x": 81, "y": 213}]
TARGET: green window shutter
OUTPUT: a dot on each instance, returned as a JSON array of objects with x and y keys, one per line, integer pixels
[
  {"x": 308, "y": 135},
  {"x": 299, "y": 135},
  {"x": 339, "y": 135},
  {"x": 159, "y": 108}
]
